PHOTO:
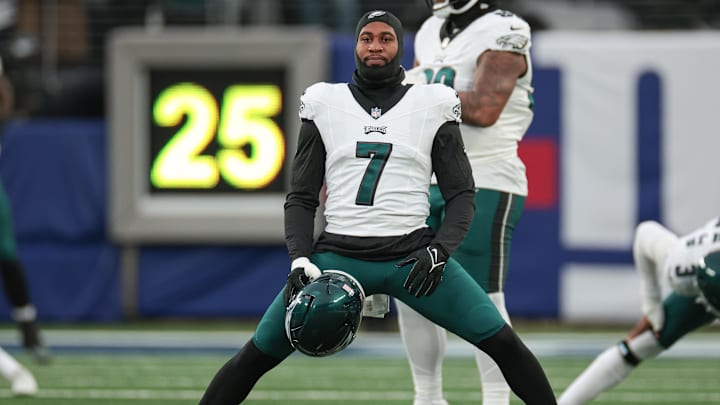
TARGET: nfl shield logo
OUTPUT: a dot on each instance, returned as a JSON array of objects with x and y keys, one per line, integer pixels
[{"x": 375, "y": 112}]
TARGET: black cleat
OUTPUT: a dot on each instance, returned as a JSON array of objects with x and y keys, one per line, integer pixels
[
  {"x": 31, "y": 342},
  {"x": 40, "y": 354}
]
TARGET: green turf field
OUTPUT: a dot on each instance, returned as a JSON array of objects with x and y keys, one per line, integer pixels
[
  {"x": 180, "y": 379},
  {"x": 104, "y": 367}
]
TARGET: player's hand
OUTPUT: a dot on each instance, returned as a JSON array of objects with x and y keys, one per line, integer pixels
[
  {"x": 302, "y": 272},
  {"x": 427, "y": 269},
  {"x": 643, "y": 324}
]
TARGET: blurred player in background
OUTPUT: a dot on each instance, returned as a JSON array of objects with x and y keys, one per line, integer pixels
[
  {"x": 690, "y": 267},
  {"x": 13, "y": 276},
  {"x": 22, "y": 382},
  {"x": 483, "y": 53}
]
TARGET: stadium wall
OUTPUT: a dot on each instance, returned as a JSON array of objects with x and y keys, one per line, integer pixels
[{"x": 624, "y": 131}]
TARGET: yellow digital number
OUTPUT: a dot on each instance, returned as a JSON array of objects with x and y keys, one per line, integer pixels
[
  {"x": 245, "y": 124},
  {"x": 179, "y": 163}
]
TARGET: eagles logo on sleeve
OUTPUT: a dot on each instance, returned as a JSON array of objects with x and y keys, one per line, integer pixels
[
  {"x": 457, "y": 110},
  {"x": 513, "y": 41}
]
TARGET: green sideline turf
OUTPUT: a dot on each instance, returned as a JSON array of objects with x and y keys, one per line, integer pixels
[{"x": 99, "y": 379}]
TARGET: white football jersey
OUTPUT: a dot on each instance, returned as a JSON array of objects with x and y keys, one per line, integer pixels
[
  {"x": 493, "y": 150},
  {"x": 378, "y": 165},
  {"x": 682, "y": 260}
]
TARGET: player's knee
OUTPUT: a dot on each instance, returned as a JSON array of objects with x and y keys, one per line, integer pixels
[
  {"x": 645, "y": 227},
  {"x": 503, "y": 342},
  {"x": 646, "y": 345},
  {"x": 628, "y": 355}
]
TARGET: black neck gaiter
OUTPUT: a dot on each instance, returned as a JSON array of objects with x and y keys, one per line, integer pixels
[{"x": 375, "y": 77}]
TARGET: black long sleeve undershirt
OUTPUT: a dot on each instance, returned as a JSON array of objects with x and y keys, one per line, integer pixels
[
  {"x": 454, "y": 176},
  {"x": 301, "y": 203}
]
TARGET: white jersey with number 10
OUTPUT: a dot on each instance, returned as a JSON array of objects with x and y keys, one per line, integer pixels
[{"x": 493, "y": 150}]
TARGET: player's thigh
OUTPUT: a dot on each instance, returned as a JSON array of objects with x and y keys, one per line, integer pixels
[
  {"x": 485, "y": 251},
  {"x": 270, "y": 335},
  {"x": 458, "y": 304},
  {"x": 370, "y": 275},
  {"x": 682, "y": 316},
  {"x": 7, "y": 237}
]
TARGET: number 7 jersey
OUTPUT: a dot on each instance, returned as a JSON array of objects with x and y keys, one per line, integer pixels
[{"x": 378, "y": 163}]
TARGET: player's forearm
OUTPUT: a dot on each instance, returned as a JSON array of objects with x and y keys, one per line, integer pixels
[
  {"x": 454, "y": 175},
  {"x": 493, "y": 83},
  {"x": 306, "y": 182},
  {"x": 482, "y": 110},
  {"x": 459, "y": 213},
  {"x": 299, "y": 228}
]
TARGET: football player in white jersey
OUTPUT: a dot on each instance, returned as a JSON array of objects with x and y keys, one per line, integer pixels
[
  {"x": 376, "y": 143},
  {"x": 687, "y": 266},
  {"x": 483, "y": 53}
]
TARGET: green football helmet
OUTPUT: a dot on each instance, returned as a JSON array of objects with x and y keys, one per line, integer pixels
[
  {"x": 324, "y": 317},
  {"x": 708, "y": 282}
]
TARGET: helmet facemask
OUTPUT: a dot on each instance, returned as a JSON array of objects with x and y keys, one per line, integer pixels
[
  {"x": 324, "y": 317},
  {"x": 446, "y": 8}
]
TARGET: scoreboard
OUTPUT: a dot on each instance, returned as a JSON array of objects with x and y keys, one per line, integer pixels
[
  {"x": 202, "y": 129},
  {"x": 216, "y": 131}
]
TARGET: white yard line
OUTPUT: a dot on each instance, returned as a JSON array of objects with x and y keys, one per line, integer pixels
[
  {"x": 368, "y": 343},
  {"x": 334, "y": 396}
]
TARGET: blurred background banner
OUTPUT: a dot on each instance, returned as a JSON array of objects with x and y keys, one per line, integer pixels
[
  {"x": 624, "y": 131},
  {"x": 637, "y": 142}
]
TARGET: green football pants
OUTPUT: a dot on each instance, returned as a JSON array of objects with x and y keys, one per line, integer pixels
[
  {"x": 485, "y": 251},
  {"x": 8, "y": 249},
  {"x": 682, "y": 316},
  {"x": 458, "y": 304}
]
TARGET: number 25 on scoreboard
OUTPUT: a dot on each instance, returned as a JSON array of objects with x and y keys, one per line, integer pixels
[{"x": 251, "y": 146}]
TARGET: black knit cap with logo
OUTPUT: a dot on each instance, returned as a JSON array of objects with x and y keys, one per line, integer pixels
[{"x": 393, "y": 69}]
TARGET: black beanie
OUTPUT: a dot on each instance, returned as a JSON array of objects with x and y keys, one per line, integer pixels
[{"x": 393, "y": 68}]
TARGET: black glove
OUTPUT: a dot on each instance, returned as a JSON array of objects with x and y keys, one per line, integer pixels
[
  {"x": 301, "y": 274},
  {"x": 426, "y": 273}
]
